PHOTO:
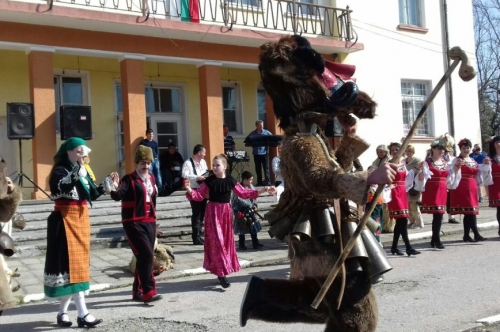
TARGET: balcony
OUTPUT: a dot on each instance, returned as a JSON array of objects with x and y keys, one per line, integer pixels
[{"x": 260, "y": 16}]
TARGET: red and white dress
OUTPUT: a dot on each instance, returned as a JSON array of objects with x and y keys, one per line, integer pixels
[
  {"x": 464, "y": 183},
  {"x": 398, "y": 206},
  {"x": 494, "y": 188},
  {"x": 433, "y": 187}
]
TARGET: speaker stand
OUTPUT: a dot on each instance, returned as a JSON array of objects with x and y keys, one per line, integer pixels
[{"x": 19, "y": 177}]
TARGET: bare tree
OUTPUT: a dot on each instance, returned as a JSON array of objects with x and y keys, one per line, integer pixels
[{"x": 487, "y": 35}]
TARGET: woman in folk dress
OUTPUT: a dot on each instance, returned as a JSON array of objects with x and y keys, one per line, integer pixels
[
  {"x": 463, "y": 180},
  {"x": 398, "y": 206}
]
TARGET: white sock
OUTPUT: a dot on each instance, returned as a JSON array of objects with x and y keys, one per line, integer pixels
[
  {"x": 63, "y": 307},
  {"x": 79, "y": 299}
]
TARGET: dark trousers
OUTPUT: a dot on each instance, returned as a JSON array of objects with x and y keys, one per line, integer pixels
[
  {"x": 401, "y": 229},
  {"x": 141, "y": 237},
  {"x": 470, "y": 223},
  {"x": 437, "y": 220},
  {"x": 262, "y": 162},
  {"x": 198, "y": 214}
]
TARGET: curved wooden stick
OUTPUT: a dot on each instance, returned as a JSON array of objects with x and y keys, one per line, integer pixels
[{"x": 467, "y": 73}]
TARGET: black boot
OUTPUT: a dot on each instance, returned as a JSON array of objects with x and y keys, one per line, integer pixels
[
  {"x": 241, "y": 242},
  {"x": 436, "y": 232},
  {"x": 255, "y": 242},
  {"x": 473, "y": 226}
]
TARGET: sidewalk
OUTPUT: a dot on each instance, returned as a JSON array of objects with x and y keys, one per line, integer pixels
[{"x": 109, "y": 266}]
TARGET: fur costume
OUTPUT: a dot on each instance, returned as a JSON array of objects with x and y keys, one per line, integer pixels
[
  {"x": 163, "y": 260},
  {"x": 306, "y": 91},
  {"x": 9, "y": 201}
]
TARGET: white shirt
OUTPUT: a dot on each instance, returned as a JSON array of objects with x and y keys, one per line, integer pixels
[{"x": 189, "y": 173}]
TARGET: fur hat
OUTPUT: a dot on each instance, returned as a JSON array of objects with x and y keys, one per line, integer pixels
[
  {"x": 143, "y": 153},
  {"x": 446, "y": 141}
]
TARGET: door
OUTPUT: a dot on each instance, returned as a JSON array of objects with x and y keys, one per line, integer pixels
[{"x": 168, "y": 129}]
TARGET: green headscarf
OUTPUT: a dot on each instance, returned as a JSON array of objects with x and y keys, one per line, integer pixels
[{"x": 70, "y": 144}]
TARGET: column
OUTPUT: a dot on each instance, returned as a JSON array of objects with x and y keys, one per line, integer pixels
[
  {"x": 44, "y": 145},
  {"x": 211, "y": 109},
  {"x": 272, "y": 126},
  {"x": 134, "y": 106}
]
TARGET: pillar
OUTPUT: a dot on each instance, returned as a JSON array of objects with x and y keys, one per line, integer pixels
[
  {"x": 272, "y": 125},
  {"x": 134, "y": 106},
  {"x": 211, "y": 109},
  {"x": 44, "y": 145}
]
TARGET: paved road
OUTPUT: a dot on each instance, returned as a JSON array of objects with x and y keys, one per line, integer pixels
[{"x": 446, "y": 290}]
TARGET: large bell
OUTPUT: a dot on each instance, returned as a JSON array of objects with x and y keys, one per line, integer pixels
[
  {"x": 323, "y": 229},
  {"x": 6, "y": 245},
  {"x": 358, "y": 250},
  {"x": 377, "y": 264},
  {"x": 372, "y": 225},
  {"x": 302, "y": 229}
]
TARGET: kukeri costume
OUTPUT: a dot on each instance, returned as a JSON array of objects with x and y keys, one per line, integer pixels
[{"x": 303, "y": 92}]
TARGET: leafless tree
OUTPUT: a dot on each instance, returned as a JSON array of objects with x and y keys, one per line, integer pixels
[{"x": 487, "y": 35}]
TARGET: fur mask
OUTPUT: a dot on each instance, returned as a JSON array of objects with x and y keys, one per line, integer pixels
[{"x": 301, "y": 83}]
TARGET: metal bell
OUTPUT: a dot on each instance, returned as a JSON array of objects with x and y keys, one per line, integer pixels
[
  {"x": 358, "y": 251},
  {"x": 6, "y": 245},
  {"x": 372, "y": 225},
  {"x": 302, "y": 229},
  {"x": 323, "y": 229},
  {"x": 377, "y": 263}
]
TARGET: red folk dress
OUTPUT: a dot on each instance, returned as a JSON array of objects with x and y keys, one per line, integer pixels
[
  {"x": 494, "y": 189},
  {"x": 435, "y": 195},
  {"x": 398, "y": 206},
  {"x": 464, "y": 199}
]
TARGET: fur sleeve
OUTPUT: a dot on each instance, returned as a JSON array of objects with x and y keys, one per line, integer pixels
[
  {"x": 306, "y": 169},
  {"x": 9, "y": 204}
]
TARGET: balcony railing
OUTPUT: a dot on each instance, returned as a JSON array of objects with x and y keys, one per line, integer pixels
[{"x": 279, "y": 15}]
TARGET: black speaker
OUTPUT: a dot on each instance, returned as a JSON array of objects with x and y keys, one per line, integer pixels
[
  {"x": 75, "y": 122},
  {"x": 20, "y": 121}
]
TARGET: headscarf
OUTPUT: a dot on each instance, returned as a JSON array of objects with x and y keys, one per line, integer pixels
[{"x": 70, "y": 144}]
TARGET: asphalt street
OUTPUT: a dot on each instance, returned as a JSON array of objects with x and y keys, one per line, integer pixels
[{"x": 439, "y": 290}]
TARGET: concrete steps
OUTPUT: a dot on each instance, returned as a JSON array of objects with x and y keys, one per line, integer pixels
[{"x": 173, "y": 219}]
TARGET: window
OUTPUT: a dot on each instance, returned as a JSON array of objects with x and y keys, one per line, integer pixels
[
  {"x": 158, "y": 99},
  {"x": 411, "y": 12},
  {"x": 261, "y": 105},
  {"x": 246, "y": 3},
  {"x": 308, "y": 8},
  {"x": 69, "y": 90},
  {"x": 413, "y": 95},
  {"x": 231, "y": 107}
]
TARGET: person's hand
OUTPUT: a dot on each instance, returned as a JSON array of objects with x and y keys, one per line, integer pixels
[
  {"x": 115, "y": 178},
  {"x": 10, "y": 186},
  {"x": 271, "y": 190},
  {"x": 349, "y": 123},
  {"x": 459, "y": 163},
  {"x": 200, "y": 178},
  {"x": 384, "y": 174},
  {"x": 487, "y": 161}
]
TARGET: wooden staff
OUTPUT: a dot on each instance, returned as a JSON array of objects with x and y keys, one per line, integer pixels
[{"x": 466, "y": 73}]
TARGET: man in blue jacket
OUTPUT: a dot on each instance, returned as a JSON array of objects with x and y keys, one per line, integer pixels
[
  {"x": 261, "y": 155},
  {"x": 478, "y": 156}
]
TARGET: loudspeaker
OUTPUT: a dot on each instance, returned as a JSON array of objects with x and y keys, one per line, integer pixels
[
  {"x": 75, "y": 122},
  {"x": 20, "y": 121}
]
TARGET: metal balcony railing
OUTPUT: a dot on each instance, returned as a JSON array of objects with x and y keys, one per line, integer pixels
[{"x": 279, "y": 15}]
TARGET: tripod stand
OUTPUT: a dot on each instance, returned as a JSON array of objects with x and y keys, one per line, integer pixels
[{"x": 19, "y": 177}]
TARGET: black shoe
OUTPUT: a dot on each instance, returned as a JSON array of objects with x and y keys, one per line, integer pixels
[
  {"x": 396, "y": 252},
  {"x": 412, "y": 252},
  {"x": 63, "y": 323},
  {"x": 82, "y": 322},
  {"x": 439, "y": 245},
  {"x": 453, "y": 221},
  {"x": 156, "y": 297},
  {"x": 242, "y": 246},
  {"x": 198, "y": 242},
  {"x": 137, "y": 297},
  {"x": 251, "y": 298},
  {"x": 224, "y": 282},
  {"x": 480, "y": 238},
  {"x": 433, "y": 245},
  {"x": 257, "y": 245},
  {"x": 467, "y": 238}
]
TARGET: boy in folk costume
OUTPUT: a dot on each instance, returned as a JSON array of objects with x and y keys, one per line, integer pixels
[{"x": 305, "y": 93}]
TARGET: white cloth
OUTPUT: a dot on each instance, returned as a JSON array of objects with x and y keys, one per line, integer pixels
[
  {"x": 420, "y": 184},
  {"x": 276, "y": 168},
  {"x": 483, "y": 176},
  {"x": 189, "y": 173}
]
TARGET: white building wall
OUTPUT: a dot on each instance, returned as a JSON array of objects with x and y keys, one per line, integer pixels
[{"x": 391, "y": 55}]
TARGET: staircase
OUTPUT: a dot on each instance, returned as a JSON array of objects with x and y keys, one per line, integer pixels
[{"x": 173, "y": 219}]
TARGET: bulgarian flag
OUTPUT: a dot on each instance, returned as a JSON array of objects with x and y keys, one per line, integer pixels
[{"x": 190, "y": 11}]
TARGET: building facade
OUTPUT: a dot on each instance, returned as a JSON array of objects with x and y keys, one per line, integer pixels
[{"x": 185, "y": 68}]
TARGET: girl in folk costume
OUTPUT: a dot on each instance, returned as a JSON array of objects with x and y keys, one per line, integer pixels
[
  {"x": 414, "y": 196},
  {"x": 463, "y": 180},
  {"x": 220, "y": 253},
  {"x": 398, "y": 206},
  {"x": 431, "y": 181},
  {"x": 494, "y": 188},
  {"x": 138, "y": 193},
  {"x": 67, "y": 261}
]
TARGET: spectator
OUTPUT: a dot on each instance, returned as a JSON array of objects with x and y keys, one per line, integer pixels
[
  {"x": 229, "y": 144},
  {"x": 414, "y": 196},
  {"x": 478, "y": 156},
  {"x": 260, "y": 154},
  {"x": 155, "y": 165},
  {"x": 171, "y": 166},
  {"x": 279, "y": 184},
  {"x": 194, "y": 169}
]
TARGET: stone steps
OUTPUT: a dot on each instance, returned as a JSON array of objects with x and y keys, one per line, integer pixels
[{"x": 173, "y": 219}]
